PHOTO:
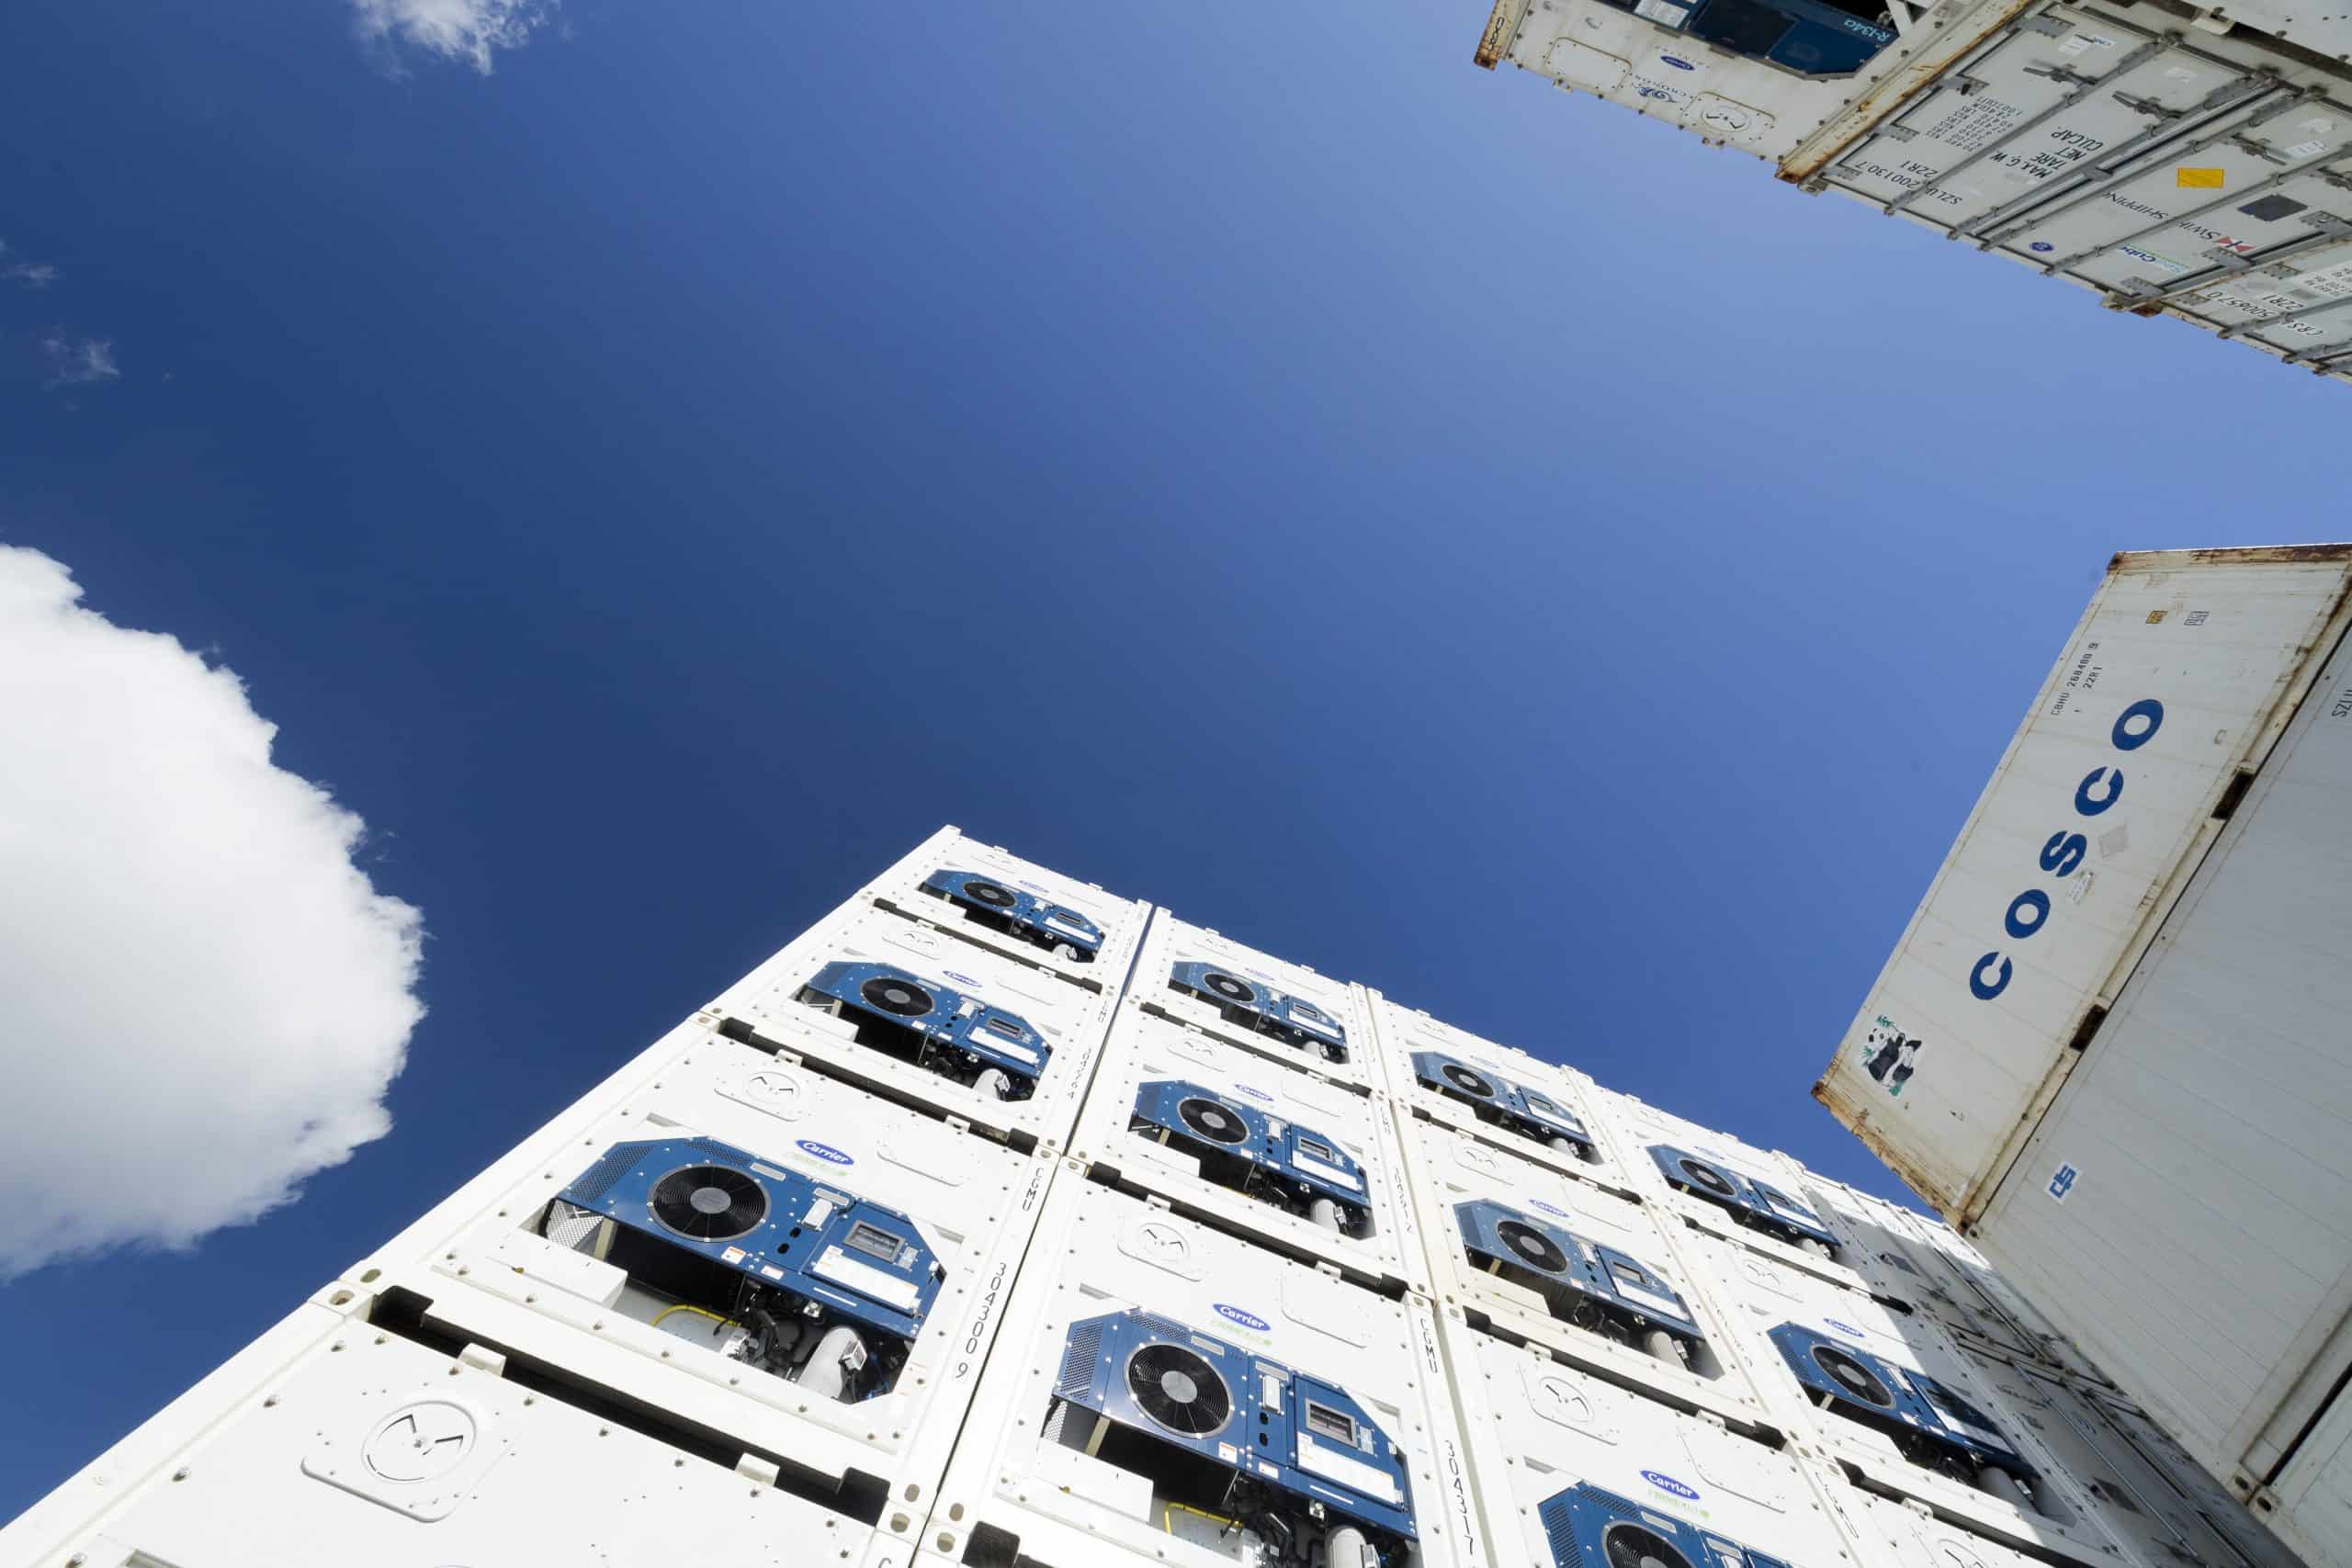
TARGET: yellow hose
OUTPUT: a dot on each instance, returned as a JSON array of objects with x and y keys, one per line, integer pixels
[{"x": 698, "y": 1312}]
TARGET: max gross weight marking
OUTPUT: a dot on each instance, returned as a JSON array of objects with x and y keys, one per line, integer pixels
[{"x": 2063, "y": 851}]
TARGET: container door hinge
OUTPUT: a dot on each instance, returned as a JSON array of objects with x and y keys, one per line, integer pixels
[
  {"x": 1331, "y": 1268},
  {"x": 1153, "y": 1200},
  {"x": 757, "y": 1470}
]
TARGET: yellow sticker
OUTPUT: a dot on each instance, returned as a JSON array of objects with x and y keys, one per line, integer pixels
[{"x": 2198, "y": 179}]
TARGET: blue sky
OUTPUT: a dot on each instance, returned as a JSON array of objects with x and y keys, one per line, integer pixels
[{"x": 1466, "y": 538}]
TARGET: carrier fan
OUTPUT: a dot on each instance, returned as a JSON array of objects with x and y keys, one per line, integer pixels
[
  {"x": 771, "y": 1267},
  {"x": 1290, "y": 1462},
  {"x": 1932, "y": 1423},
  {"x": 1282, "y": 1163},
  {"x": 1256, "y": 1005},
  {"x": 1513, "y": 1107},
  {"x": 1755, "y": 1203},
  {"x": 1596, "y": 1287},
  {"x": 1061, "y": 930},
  {"x": 1589, "y": 1528},
  {"x": 954, "y": 1036}
]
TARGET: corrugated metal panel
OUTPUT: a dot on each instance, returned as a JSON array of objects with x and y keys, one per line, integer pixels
[
  {"x": 2180, "y": 676},
  {"x": 2179, "y": 164},
  {"x": 2199, "y": 1242}
]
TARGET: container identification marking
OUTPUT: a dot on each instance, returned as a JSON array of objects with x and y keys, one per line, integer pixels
[{"x": 2062, "y": 1181}]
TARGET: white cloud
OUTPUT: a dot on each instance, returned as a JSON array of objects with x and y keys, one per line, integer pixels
[
  {"x": 202, "y": 998},
  {"x": 455, "y": 29},
  {"x": 73, "y": 364},
  {"x": 31, "y": 274}
]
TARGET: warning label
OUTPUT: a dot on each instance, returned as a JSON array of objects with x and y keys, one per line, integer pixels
[
  {"x": 2198, "y": 179},
  {"x": 1973, "y": 123}
]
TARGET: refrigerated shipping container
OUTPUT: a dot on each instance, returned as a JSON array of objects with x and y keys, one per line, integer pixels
[
  {"x": 2114, "y": 1046},
  {"x": 2175, "y": 161}
]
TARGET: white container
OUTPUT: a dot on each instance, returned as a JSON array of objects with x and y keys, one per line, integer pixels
[
  {"x": 1535, "y": 1109},
  {"x": 1023, "y": 916},
  {"x": 1886, "y": 1352},
  {"x": 2139, "y": 1110},
  {"x": 328, "y": 1441},
  {"x": 1526, "y": 1254},
  {"x": 2150, "y": 1511},
  {"x": 632, "y": 1321},
  {"x": 1545, "y": 1438},
  {"x": 948, "y": 979},
  {"x": 1321, "y": 1180},
  {"x": 2186, "y": 171},
  {"x": 1037, "y": 1475},
  {"x": 1688, "y": 1170},
  {"x": 1285, "y": 1013}
]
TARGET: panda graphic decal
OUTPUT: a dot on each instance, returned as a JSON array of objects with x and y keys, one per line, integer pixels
[{"x": 1889, "y": 1056}]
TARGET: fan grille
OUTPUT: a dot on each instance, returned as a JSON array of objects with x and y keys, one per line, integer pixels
[
  {"x": 988, "y": 893},
  {"x": 1218, "y": 1123},
  {"x": 709, "y": 1202},
  {"x": 1178, "y": 1389},
  {"x": 1851, "y": 1375},
  {"x": 1627, "y": 1545},
  {"x": 1708, "y": 1177},
  {"x": 1469, "y": 1081},
  {"x": 1228, "y": 987},
  {"x": 900, "y": 999},
  {"x": 1532, "y": 1246}
]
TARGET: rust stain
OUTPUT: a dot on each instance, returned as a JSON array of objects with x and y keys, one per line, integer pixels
[
  {"x": 1856, "y": 1120},
  {"x": 1502, "y": 26},
  {"x": 1899, "y": 88}
]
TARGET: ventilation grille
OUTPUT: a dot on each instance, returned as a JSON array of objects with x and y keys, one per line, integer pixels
[
  {"x": 1560, "y": 1526},
  {"x": 1078, "y": 1360},
  {"x": 599, "y": 1178}
]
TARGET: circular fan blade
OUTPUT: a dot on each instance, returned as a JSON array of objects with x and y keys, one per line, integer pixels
[
  {"x": 1534, "y": 1247},
  {"x": 1179, "y": 1389},
  {"x": 1853, "y": 1377},
  {"x": 1468, "y": 1081},
  {"x": 1228, "y": 987},
  {"x": 1211, "y": 1121},
  {"x": 988, "y": 893},
  {"x": 709, "y": 1202},
  {"x": 1708, "y": 1177},
  {"x": 1633, "y": 1546},
  {"x": 902, "y": 998}
]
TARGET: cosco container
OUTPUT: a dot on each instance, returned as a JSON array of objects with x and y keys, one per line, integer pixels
[{"x": 2114, "y": 1047}]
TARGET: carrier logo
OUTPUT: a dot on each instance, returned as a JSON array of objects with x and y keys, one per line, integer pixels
[
  {"x": 1668, "y": 1484},
  {"x": 1255, "y": 1093},
  {"x": 1847, "y": 1330},
  {"x": 960, "y": 979},
  {"x": 1678, "y": 63},
  {"x": 1551, "y": 1208},
  {"x": 1248, "y": 1320},
  {"x": 825, "y": 1152}
]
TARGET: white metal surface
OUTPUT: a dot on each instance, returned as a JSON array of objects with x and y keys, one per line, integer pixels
[
  {"x": 900, "y": 889},
  {"x": 1148, "y": 1049},
  {"x": 1538, "y": 1429},
  {"x": 1773, "y": 1294},
  {"x": 2145, "y": 1510},
  {"x": 766, "y": 1004},
  {"x": 2202, "y": 1250},
  {"x": 1447, "y": 1170},
  {"x": 484, "y": 1276},
  {"x": 330, "y": 1441},
  {"x": 1172, "y": 941},
  {"x": 1099, "y": 1251},
  {"x": 1401, "y": 1032},
  {"x": 1638, "y": 1128},
  {"x": 2183, "y": 671},
  {"x": 2191, "y": 164}
]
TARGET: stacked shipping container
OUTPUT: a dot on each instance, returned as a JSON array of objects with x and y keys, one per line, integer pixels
[{"x": 999, "y": 1221}]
